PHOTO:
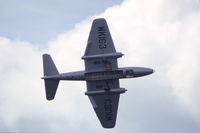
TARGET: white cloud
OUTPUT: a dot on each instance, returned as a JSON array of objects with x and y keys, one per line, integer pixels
[{"x": 162, "y": 34}]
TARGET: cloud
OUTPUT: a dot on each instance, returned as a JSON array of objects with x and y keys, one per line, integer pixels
[{"x": 162, "y": 34}]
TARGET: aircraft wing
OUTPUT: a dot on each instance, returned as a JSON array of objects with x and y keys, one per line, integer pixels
[
  {"x": 104, "y": 96},
  {"x": 100, "y": 53},
  {"x": 99, "y": 41}
]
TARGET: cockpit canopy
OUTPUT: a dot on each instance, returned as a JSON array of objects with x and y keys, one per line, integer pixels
[{"x": 129, "y": 73}]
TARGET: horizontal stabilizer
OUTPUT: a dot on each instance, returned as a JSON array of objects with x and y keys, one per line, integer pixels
[
  {"x": 51, "y": 88},
  {"x": 49, "y": 66},
  {"x": 49, "y": 71}
]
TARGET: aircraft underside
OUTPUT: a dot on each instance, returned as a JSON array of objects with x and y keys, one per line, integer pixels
[{"x": 101, "y": 74}]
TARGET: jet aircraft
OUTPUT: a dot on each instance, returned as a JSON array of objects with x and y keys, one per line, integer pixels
[{"x": 101, "y": 74}]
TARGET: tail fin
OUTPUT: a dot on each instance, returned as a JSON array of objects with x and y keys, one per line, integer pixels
[{"x": 49, "y": 70}]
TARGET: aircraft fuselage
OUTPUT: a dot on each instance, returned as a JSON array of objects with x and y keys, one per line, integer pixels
[{"x": 120, "y": 73}]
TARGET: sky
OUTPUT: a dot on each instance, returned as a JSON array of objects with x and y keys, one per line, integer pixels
[
  {"x": 160, "y": 34},
  {"x": 39, "y": 21}
]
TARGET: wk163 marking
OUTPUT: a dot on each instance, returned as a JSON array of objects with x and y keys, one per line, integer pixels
[
  {"x": 108, "y": 109},
  {"x": 102, "y": 37}
]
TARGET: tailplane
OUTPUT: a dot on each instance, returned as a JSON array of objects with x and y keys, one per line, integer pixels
[{"x": 50, "y": 83}]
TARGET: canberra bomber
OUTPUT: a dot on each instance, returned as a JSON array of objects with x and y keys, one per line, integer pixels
[{"x": 101, "y": 74}]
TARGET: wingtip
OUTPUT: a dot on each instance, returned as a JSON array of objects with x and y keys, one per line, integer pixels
[
  {"x": 109, "y": 126},
  {"x": 99, "y": 19},
  {"x": 45, "y": 54},
  {"x": 49, "y": 99}
]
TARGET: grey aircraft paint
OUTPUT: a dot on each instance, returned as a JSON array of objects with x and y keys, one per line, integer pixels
[{"x": 101, "y": 74}]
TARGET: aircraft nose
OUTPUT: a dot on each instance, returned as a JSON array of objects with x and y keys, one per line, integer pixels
[
  {"x": 141, "y": 71},
  {"x": 149, "y": 70}
]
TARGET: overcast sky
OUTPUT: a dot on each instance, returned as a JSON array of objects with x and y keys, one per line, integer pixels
[{"x": 160, "y": 34}]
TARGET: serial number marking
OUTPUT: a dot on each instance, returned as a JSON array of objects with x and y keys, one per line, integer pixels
[
  {"x": 102, "y": 37},
  {"x": 108, "y": 109}
]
